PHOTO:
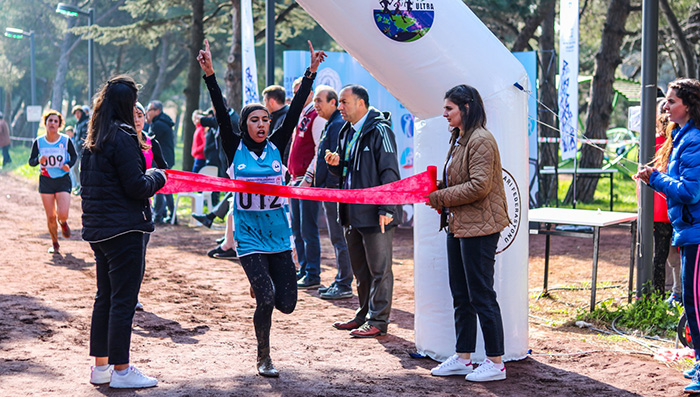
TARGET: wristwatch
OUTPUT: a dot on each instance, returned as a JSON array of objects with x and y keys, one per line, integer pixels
[
  {"x": 308, "y": 179},
  {"x": 309, "y": 75}
]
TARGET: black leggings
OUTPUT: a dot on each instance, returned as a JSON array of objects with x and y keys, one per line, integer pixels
[
  {"x": 662, "y": 243},
  {"x": 274, "y": 282}
]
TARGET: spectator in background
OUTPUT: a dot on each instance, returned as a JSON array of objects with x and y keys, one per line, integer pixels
[
  {"x": 198, "y": 142},
  {"x": 326, "y": 104},
  {"x": 662, "y": 225},
  {"x": 274, "y": 101},
  {"x": 301, "y": 166},
  {"x": 69, "y": 131},
  {"x": 5, "y": 141},
  {"x": 161, "y": 128},
  {"x": 82, "y": 117}
]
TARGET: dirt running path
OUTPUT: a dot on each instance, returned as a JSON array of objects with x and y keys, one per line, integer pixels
[{"x": 196, "y": 334}]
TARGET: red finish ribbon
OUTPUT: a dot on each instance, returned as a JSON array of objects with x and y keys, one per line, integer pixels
[{"x": 411, "y": 190}]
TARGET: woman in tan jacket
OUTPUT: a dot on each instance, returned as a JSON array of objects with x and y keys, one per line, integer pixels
[{"x": 474, "y": 202}]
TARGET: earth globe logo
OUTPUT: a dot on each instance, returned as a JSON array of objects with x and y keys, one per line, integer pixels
[{"x": 404, "y": 20}]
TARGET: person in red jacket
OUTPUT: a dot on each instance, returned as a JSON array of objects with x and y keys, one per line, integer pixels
[
  {"x": 662, "y": 225},
  {"x": 198, "y": 141}
]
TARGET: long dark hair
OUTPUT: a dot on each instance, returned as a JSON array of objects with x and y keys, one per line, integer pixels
[
  {"x": 114, "y": 104},
  {"x": 470, "y": 106}
]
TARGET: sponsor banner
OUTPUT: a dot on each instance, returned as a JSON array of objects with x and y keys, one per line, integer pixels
[
  {"x": 568, "y": 77},
  {"x": 249, "y": 67}
]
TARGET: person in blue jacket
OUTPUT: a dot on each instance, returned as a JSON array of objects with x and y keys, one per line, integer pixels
[
  {"x": 681, "y": 186},
  {"x": 262, "y": 232}
]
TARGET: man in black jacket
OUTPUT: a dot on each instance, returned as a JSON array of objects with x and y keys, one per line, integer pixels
[
  {"x": 326, "y": 104},
  {"x": 366, "y": 157},
  {"x": 161, "y": 127}
]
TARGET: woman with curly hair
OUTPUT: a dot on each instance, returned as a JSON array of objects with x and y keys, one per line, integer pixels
[{"x": 680, "y": 183}]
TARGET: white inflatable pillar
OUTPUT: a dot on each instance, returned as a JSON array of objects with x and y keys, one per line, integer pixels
[{"x": 418, "y": 55}]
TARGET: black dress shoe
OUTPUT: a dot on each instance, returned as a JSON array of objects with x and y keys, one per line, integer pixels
[{"x": 203, "y": 219}]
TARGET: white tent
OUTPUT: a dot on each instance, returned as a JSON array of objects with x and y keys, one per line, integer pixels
[{"x": 418, "y": 55}]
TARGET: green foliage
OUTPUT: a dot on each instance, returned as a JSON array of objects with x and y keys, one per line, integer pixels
[
  {"x": 650, "y": 316},
  {"x": 624, "y": 193}
]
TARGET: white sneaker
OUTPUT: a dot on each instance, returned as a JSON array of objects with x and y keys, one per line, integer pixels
[
  {"x": 452, "y": 366},
  {"x": 486, "y": 372},
  {"x": 133, "y": 379},
  {"x": 100, "y": 377}
]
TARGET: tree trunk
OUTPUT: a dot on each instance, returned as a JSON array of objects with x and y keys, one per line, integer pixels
[
  {"x": 531, "y": 24},
  {"x": 549, "y": 152},
  {"x": 233, "y": 76},
  {"x": 162, "y": 67},
  {"x": 194, "y": 80},
  {"x": 687, "y": 55},
  {"x": 62, "y": 69},
  {"x": 601, "y": 95}
]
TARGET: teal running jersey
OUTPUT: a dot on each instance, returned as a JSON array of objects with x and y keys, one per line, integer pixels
[{"x": 261, "y": 222}]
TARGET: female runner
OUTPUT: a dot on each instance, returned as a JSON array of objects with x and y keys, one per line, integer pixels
[
  {"x": 262, "y": 230},
  {"x": 56, "y": 154}
]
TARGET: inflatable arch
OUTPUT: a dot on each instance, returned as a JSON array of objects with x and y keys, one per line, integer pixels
[{"x": 418, "y": 50}]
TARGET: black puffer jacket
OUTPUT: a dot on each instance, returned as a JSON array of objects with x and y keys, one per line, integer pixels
[
  {"x": 116, "y": 188},
  {"x": 162, "y": 129}
]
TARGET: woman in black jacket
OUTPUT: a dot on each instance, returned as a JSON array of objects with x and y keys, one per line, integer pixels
[{"x": 116, "y": 214}]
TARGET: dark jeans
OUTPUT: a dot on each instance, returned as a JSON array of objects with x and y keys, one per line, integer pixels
[
  {"x": 6, "y": 159},
  {"x": 471, "y": 263},
  {"x": 344, "y": 278},
  {"x": 306, "y": 238},
  {"x": 274, "y": 282},
  {"x": 119, "y": 267},
  {"x": 662, "y": 243},
  {"x": 371, "y": 256},
  {"x": 198, "y": 165},
  {"x": 690, "y": 281},
  {"x": 163, "y": 205}
]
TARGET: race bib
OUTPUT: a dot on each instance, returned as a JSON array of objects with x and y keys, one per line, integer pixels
[
  {"x": 55, "y": 157},
  {"x": 259, "y": 202}
]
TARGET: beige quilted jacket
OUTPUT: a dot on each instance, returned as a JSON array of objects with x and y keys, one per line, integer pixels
[{"x": 475, "y": 194}]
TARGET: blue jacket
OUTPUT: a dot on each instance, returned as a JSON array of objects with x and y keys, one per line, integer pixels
[{"x": 681, "y": 185}]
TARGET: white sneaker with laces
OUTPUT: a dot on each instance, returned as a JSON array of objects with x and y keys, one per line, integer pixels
[
  {"x": 133, "y": 379},
  {"x": 452, "y": 366},
  {"x": 100, "y": 377},
  {"x": 487, "y": 372}
]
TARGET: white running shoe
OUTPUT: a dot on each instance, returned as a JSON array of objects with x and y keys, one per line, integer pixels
[
  {"x": 452, "y": 366},
  {"x": 487, "y": 372},
  {"x": 98, "y": 377},
  {"x": 133, "y": 379}
]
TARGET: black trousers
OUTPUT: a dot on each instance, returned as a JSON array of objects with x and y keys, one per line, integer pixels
[
  {"x": 662, "y": 243},
  {"x": 119, "y": 266},
  {"x": 370, "y": 256},
  {"x": 274, "y": 281},
  {"x": 471, "y": 263}
]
